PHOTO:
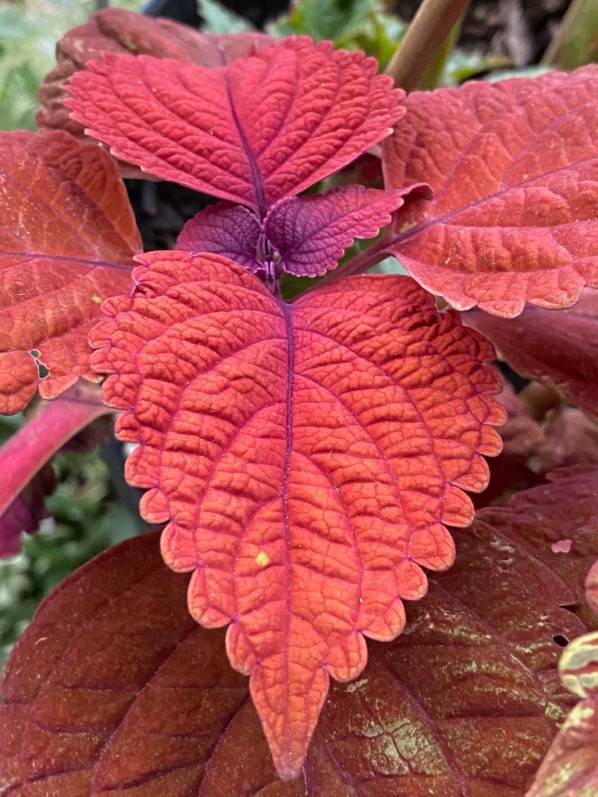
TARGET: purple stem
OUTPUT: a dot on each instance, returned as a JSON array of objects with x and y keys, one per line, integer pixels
[{"x": 359, "y": 263}]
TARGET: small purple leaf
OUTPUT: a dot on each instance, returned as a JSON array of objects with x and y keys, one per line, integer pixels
[
  {"x": 312, "y": 232},
  {"x": 26, "y": 512},
  {"x": 224, "y": 229}
]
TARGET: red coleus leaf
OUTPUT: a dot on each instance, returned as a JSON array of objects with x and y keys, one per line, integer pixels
[
  {"x": 119, "y": 31},
  {"x": 257, "y": 130},
  {"x": 305, "y": 458},
  {"x": 514, "y": 168},
  {"x": 561, "y": 349},
  {"x": 303, "y": 235},
  {"x": 114, "y": 689},
  {"x": 67, "y": 238}
]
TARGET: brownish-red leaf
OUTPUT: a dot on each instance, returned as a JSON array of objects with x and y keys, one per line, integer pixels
[
  {"x": 305, "y": 457},
  {"x": 514, "y": 168},
  {"x": 67, "y": 240},
  {"x": 564, "y": 509},
  {"x": 114, "y": 690},
  {"x": 570, "y": 768},
  {"x": 118, "y": 31},
  {"x": 558, "y": 348}
]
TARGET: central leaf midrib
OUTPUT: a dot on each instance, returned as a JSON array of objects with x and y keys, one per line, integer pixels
[
  {"x": 286, "y": 310},
  {"x": 251, "y": 159}
]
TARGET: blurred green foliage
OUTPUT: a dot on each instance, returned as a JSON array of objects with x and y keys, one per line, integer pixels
[
  {"x": 85, "y": 518},
  {"x": 218, "y": 19},
  {"x": 353, "y": 24},
  {"x": 27, "y": 50}
]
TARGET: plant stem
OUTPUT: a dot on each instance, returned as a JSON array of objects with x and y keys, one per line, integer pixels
[
  {"x": 31, "y": 447},
  {"x": 433, "y": 74},
  {"x": 576, "y": 40},
  {"x": 358, "y": 264},
  {"x": 431, "y": 25}
]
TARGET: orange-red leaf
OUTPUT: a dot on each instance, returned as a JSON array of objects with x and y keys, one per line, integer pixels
[
  {"x": 514, "y": 168},
  {"x": 305, "y": 457},
  {"x": 67, "y": 239},
  {"x": 257, "y": 130},
  {"x": 118, "y": 31},
  {"x": 114, "y": 690}
]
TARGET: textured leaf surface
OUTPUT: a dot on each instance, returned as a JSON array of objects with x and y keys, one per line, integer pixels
[
  {"x": 303, "y": 235},
  {"x": 118, "y": 31},
  {"x": 566, "y": 508},
  {"x": 304, "y": 456},
  {"x": 570, "y": 768},
  {"x": 311, "y": 233},
  {"x": 225, "y": 229},
  {"x": 114, "y": 690},
  {"x": 260, "y": 129},
  {"x": 557, "y": 348},
  {"x": 514, "y": 168},
  {"x": 67, "y": 239}
]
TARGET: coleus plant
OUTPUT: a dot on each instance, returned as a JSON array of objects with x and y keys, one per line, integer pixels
[{"x": 306, "y": 456}]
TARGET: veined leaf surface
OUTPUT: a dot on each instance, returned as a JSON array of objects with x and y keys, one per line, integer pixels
[
  {"x": 119, "y": 31},
  {"x": 259, "y": 129},
  {"x": 305, "y": 457},
  {"x": 67, "y": 240},
  {"x": 514, "y": 169}
]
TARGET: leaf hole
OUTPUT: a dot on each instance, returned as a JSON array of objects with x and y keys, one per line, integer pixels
[
  {"x": 561, "y": 640},
  {"x": 42, "y": 370}
]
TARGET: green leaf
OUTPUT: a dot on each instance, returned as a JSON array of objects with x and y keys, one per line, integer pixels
[
  {"x": 218, "y": 19},
  {"x": 352, "y": 24}
]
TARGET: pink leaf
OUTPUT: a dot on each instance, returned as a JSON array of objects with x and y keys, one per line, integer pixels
[
  {"x": 224, "y": 229},
  {"x": 262, "y": 128},
  {"x": 566, "y": 508},
  {"x": 310, "y": 233},
  {"x": 514, "y": 168}
]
